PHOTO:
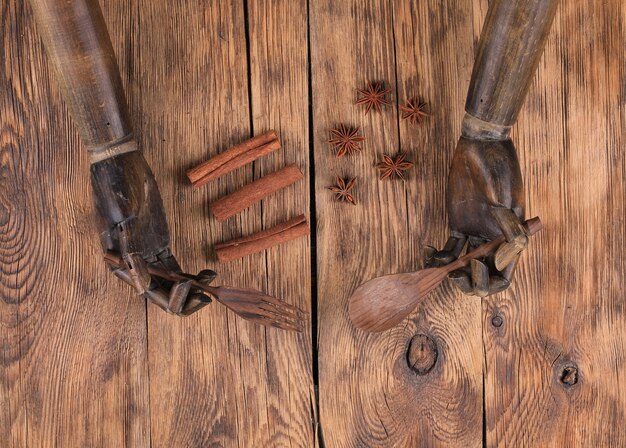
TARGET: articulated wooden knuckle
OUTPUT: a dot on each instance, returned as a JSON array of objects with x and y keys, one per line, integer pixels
[
  {"x": 509, "y": 222},
  {"x": 195, "y": 302},
  {"x": 449, "y": 253}
]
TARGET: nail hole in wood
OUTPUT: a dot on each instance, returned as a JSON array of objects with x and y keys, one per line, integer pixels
[
  {"x": 569, "y": 376},
  {"x": 497, "y": 321},
  {"x": 422, "y": 354}
]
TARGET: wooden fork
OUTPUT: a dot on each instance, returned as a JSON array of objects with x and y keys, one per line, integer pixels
[{"x": 250, "y": 304}]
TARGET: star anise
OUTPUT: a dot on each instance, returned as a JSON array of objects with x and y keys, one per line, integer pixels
[
  {"x": 342, "y": 190},
  {"x": 393, "y": 167},
  {"x": 414, "y": 111},
  {"x": 373, "y": 96},
  {"x": 346, "y": 140}
]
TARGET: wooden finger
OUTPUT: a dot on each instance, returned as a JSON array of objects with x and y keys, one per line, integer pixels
[
  {"x": 462, "y": 280},
  {"x": 509, "y": 270},
  {"x": 428, "y": 252},
  {"x": 123, "y": 275},
  {"x": 455, "y": 244},
  {"x": 497, "y": 284},
  {"x": 195, "y": 302},
  {"x": 449, "y": 253},
  {"x": 507, "y": 252},
  {"x": 138, "y": 271},
  {"x": 155, "y": 295},
  {"x": 206, "y": 276},
  {"x": 178, "y": 296},
  {"x": 158, "y": 296},
  {"x": 480, "y": 278}
]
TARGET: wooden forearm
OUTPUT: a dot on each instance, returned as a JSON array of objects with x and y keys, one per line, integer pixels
[
  {"x": 78, "y": 46},
  {"x": 511, "y": 44}
]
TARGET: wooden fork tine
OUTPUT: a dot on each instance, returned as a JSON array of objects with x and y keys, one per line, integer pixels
[
  {"x": 273, "y": 315},
  {"x": 286, "y": 309},
  {"x": 281, "y": 304},
  {"x": 273, "y": 321}
]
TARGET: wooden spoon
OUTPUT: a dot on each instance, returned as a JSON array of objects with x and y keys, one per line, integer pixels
[{"x": 383, "y": 302}]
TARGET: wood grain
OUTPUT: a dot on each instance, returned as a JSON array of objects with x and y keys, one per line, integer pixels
[
  {"x": 565, "y": 310},
  {"x": 73, "y": 366},
  {"x": 369, "y": 395},
  {"x": 80, "y": 367},
  {"x": 222, "y": 380},
  {"x": 279, "y": 95}
]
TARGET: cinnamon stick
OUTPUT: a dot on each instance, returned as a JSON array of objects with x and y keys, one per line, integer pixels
[
  {"x": 252, "y": 193},
  {"x": 233, "y": 158},
  {"x": 281, "y": 233}
]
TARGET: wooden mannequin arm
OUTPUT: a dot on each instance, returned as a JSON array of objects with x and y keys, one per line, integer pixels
[
  {"x": 78, "y": 46},
  {"x": 511, "y": 44}
]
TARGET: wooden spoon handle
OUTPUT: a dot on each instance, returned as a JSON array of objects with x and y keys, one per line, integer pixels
[
  {"x": 79, "y": 48},
  {"x": 511, "y": 44},
  {"x": 531, "y": 226}
]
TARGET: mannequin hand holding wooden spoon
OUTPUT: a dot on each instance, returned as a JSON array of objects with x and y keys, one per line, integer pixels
[
  {"x": 384, "y": 302},
  {"x": 485, "y": 189}
]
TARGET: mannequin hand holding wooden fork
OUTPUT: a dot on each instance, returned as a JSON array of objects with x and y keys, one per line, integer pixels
[{"x": 131, "y": 217}]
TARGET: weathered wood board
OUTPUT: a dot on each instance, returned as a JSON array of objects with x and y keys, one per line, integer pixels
[
  {"x": 368, "y": 394},
  {"x": 216, "y": 378},
  {"x": 83, "y": 362},
  {"x": 566, "y": 310}
]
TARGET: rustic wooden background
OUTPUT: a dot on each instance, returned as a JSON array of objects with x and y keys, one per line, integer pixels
[{"x": 83, "y": 362}]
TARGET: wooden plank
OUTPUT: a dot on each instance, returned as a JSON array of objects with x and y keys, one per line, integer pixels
[
  {"x": 215, "y": 378},
  {"x": 278, "y": 33},
  {"x": 72, "y": 338},
  {"x": 435, "y": 55},
  {"x": 566, "y": 309},
  {"x": 369, "y": 395}
]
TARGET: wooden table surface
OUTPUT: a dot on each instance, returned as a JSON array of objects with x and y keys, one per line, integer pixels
[{"x": 84, "y": 362}]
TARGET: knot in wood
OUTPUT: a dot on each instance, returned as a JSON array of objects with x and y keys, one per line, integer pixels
[
  {"x": 497, "y": 321},
  {"x": 569, "y": 375},
  {"x": 422, "y": 354}
]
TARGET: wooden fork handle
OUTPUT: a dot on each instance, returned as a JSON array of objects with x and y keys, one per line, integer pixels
[
  {"x": 511, "y": 44},
  {"x": 531, "y": 226}
]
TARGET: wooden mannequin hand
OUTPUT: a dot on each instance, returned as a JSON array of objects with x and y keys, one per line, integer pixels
[
  {"x": 132, "y": 224},
  {"x": 485, "y": 200}
]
